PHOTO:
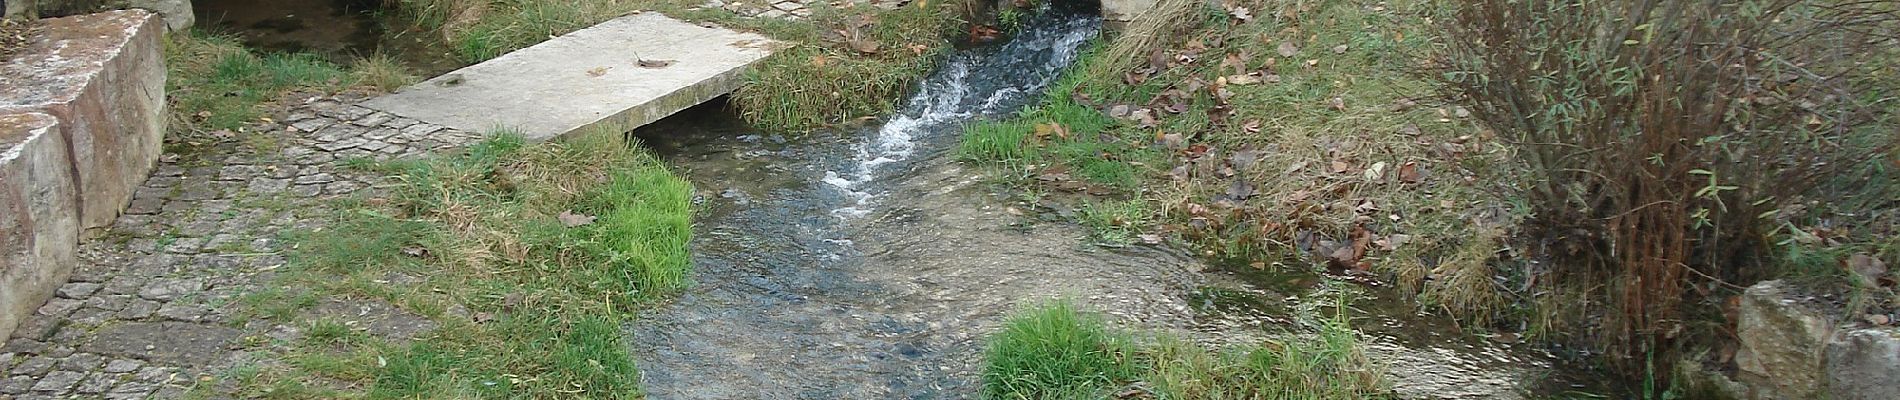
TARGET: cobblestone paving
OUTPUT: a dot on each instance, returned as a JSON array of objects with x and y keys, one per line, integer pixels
[{"x": 148, "y": 313}]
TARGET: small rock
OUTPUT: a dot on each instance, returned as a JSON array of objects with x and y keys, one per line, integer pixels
[
  {"x": 58, "y": 382},
  {"x": 35, "y": 366},
  {"x": 120, "y": 366},
  {"x": 138, "y": 309},
  {"x": 16, "y": 385},
  {"x": 168, "y": 289},
  {"x": 97, "y": 382},
  {"x": 81, "y": 362},
  {"x": 78, "y": 290},
  {"x": 60, "y": 307}
]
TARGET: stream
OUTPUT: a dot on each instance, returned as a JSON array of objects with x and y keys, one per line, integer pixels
[{"x": 869, "y": 264}]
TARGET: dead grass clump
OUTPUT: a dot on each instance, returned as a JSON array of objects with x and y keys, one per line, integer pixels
[
  {"x": 382, "y": 72},
  {"x": 851, "y": 62},
  {"x": 1150, "y": 32},
  {"x": 1465, "y": 284},
  {"x": 1663, "y": 133}
]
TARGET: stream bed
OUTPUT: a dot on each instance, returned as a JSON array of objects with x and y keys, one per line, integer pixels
[{"x": 870, "y": 264}]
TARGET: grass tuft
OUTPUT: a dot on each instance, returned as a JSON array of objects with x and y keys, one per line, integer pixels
[
  {"x": 529, "y": 255},
  {"x": 1057, "y": 352},
  {"x": 827, "y": 79},
  {"x": 214, "y": 83}
]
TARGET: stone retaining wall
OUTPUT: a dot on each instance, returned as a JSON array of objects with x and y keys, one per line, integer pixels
[{"x": 82, "y": 118}]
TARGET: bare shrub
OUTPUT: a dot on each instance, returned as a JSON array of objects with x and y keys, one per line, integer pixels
[{"x": 1662, "y": 133}]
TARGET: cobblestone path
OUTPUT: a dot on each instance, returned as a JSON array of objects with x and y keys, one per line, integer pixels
[{"x": 151, "y": 310}]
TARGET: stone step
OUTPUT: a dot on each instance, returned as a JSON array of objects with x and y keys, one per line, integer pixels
[{"x": 590, "y": 77}]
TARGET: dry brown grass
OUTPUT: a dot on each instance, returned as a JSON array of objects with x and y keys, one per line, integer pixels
[
  {"x": 1151, "y": 31},
  {"x": 1662, "y": 135}
]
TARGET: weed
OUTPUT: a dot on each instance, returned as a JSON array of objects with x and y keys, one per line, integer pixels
[
  {"x": 382, "y": 72},
  {"x": 215, "y": 83},
  {"x": 1061, "y": 140},
  {"x": 1056, "y": 352},
  {"x": 826, "y": 81},
  {"x": 1116, "y": 221},
  {"x": 576, "y": 232}
]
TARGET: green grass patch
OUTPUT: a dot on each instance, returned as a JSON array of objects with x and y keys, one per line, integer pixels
[
  {"x": 1057, "y": 352},
  {"x": 1059, "y": 140},
  {"x": 529, "y": 256},
  {"x": 214, "y": 83}
]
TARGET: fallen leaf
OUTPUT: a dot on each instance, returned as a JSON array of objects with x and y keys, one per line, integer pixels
[
  {"x": 1251, "y": 126},
  {"x": 1375, "y": 172},
  {"x": 984, "y": 33},
  {"x": 1044, "y": 131},
  {"x": 415, "y": 251},
  {"x": 1868, "y": 268},
  {"x": 1288, "y": 49},
  {"x": 1241, "y": 13},
  {"x": 863, "y": 45},
  {"x": 819, "y": 61},
  {"x": 512, "y": 301},
  {"x": 1390, "y": 243},
  {"x": 1240, "y": 190},
  {"x": 656, "y": 63},
  {"x": 597, "y": 71},
  {"x": 1408, "y": 172},
  {"x": 483, "y": 316},
  {"x": 1171, "y": 140},
  {"x": 1149, "y": 238},
  {"x": 1243, "y": 159},
  {"x": 1340, "y": 49},
  {"x": 918, "y": 49},
  {"x": 570, "y": 219},
  {"x": 1236, "y": 62},
  {"x": 1294, "y": 168},
  {"x": 1340, "y": 167},
  {"x": 1879, "y": 319},
  {"x": 1242, "y": 80}
]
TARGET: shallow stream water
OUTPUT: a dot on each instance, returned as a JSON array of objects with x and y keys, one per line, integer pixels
[
  {"x": 868, "y": 264},
  {"x": 337, "y": 30}
]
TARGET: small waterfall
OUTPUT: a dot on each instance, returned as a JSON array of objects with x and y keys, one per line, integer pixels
[{"x": 972, "y": 84}]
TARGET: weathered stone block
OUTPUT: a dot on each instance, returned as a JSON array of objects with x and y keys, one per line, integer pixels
[
  {"x": 592, "y": 77},
  {"x": 1124, "y": 10},
  {"x": 1782, "y": 341},
  {"x": 103, "y": 76},
  {"x": 177, "y": 13},
  {"x": 1864, "y": 364},
  {"x": 39, "y": 228}
]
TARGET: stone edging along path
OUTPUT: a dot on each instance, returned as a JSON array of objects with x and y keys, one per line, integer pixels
[{"x": 148, "y": 312}]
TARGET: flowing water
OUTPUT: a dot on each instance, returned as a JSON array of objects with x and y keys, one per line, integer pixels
[{"x": 867, "y": 264}]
